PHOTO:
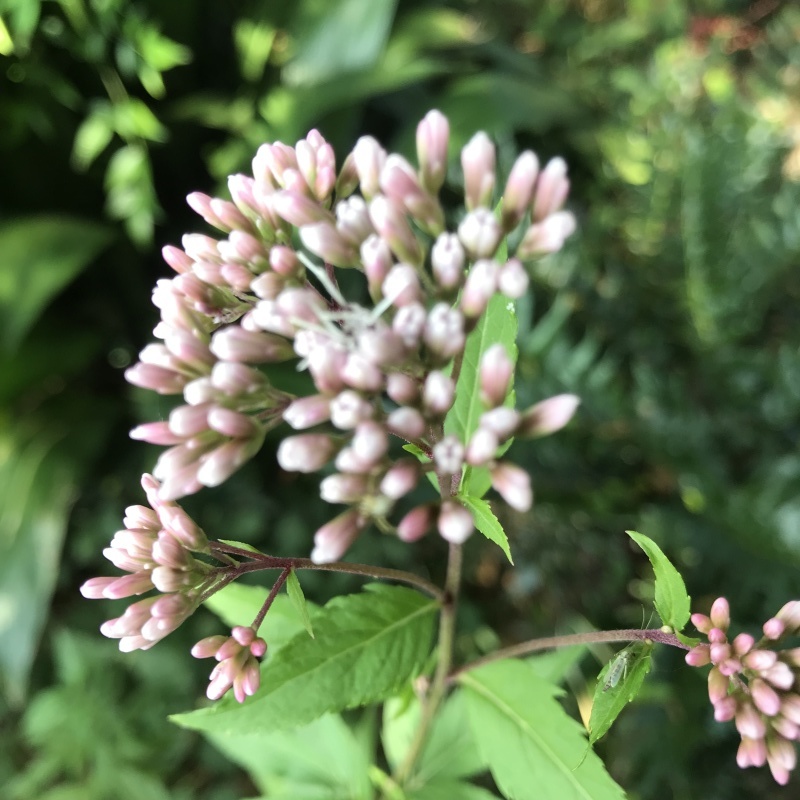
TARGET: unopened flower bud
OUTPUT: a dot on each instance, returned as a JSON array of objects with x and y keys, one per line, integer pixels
[
  {"x": 774, "y": 628},
  {"x": 721, "y": 614},
  {"x": 343, "y": 488},
  {"x": 552, "y": 189},
  {"x": 408, "y": 324},
  {"x": 400, "y": 478},
  {"x": 348, "y": 409},
  {"x": 519, "y": 189},
  {"x": 368, "y": 158},
  {"x": 480, "y": 233},
  {"x": 496, "y": 369},
  {"x": 416, "y": 523},
  {"x": 549, "y": 415},
  {"x": 389, "y": 220},
  {"x": 547, "y": 236},
  {"x": 513, "y": 484},
  {"x": 333, "y": 539},
  {"x": 478, "y": 163},
  {"x": 305, "y": 453},
  {"x": 406, "y": 422},
  {"x": 447, "y": 261},
  {"x": 433, "y": 134},
  {"x": 325, "y": 241},
  {"x": 401, "y": 285},
  {"x": 402, "y": 388},
  {"x": 370, "y": 442},
  {"x": 305, "y": 412},
  {"x": 448, "y": 455},
  {"x": 455, "y": 523},
  {"x": 512, "y": 279},
  {"x": 438, "y": 393}
]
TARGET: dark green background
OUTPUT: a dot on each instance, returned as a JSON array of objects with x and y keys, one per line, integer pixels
[{"x": 673, "y": 313}]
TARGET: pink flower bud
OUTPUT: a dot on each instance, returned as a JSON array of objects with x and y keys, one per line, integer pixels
[
  {"x": 774, "y": 628},
  {"x": 717, "y": 636},
  {"x": 730, "y": 666},
  {"x": 790, "y": 708},
  {"x": 299, "y": 209},
  {"x": 155, "y": 433},
  {"x": 478, "y": 163},
  {"x": 176, "y": 258},
  {"x": 698, "y": 656},
  {"x": 448, "y": 455},
  {"x": 376, "y": 259},
  {"x": 157, "y": 379},
  {"x": 750, "y": 723},
  {"x": 765, "y": 698},
  {"x": 235, "y": 344},
  {"x": 207, "y": 648},
  {"x": 94, "y": 588},
  {"x": 352, "y": 220},
  {"x": 444, "y": 331},
  {"x": 549, "y": 415},
  {"x": 234, "y": 379},
  {"x": 433, "y": 134},
  {"x": 782, "y": 759},
  {"x": 200, "y": 247},
  {"x": 759, "y": 660},
  {"x": 369, "y": 158},
  {"x": 447, "y": 261},
  {"x": 361, "y": 374},
  {"x": 547, "y": 236},
  {"x": 218, "y": 465},
  {"x": 751, "y": 753},
  {"x": 790, "y": 615},
  {"x": 502, "y": 422},
  {"x": 743, "y": 643},
  {"x": 786, "y": 728},
  {"x": 401, "y": 285},
  {"x": 513, "y": 484},
  {"x": 720, "y": 652},
  {"x": 496, "y": 369},
  {"x": 399, "y": 182},
  {"x": 128, "y": 585},
  {"x": 512, "y": 279},
  {"x": 305, "y": 453},
  {"x": 406, "y": 422},
  {"x": 519, "y": 189},
  {"x": 482, "y": 447},
  {"x": 400, "y": 478},
  {"x": 348, "y": 177},
  {"x": 389, "y": 220},
  {"x": 416, "y": 523},
  {"x": 348, "y": 409},
  {"x": 551, "y": 190},
  {"x": 258, "y": 648},
  {"x": 725, "y": 709},
  {"x": 402, "y": 388},
  {"x": 333, "y": 539},
  {"x": 721, "y": 614},
  {"x": 305, "y": 412},
  {"x": 323, "y": 240},
  {"x": 343, "y": 488},
  {"x": 370, "y": 442},
  {"x": 701, "y": 622},
  {"x": 780, "y": 675},
  {"x": 438, "y": 393},
  {"x": 244, "y": 635},
  {"x": 480, "y": 233},
  {"x": 381, "y": 346},
  {"x": 455, "y": 522},
  {"x": 408, "y": 324},
  {"x": 792, "y": 656}
]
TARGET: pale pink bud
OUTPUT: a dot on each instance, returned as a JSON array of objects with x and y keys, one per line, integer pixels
[
  {"x": 333, "y": 539},
  {"x": 730, "y": 666},
  {"x": 406, "y": 422},
  {"x": 547, "y": 236},
  {"x": 402, "y": 388},
  {"x": 376, "y": 259},
  {"x": 790, "y": 708},
  {"x": 236, "y": 379},
  {"x": 759, "y": 660},
  {"x": 444, "y": 331},
  {"x": 400, "y": 478},
  {"x": 780, "y": 675},
  {"x": 786, "y": 728},
  {"x": 369, "y": 442},
  {"x": 751, "y": 753},
  {"x": 750, "y": 723},
  {"x": 347, "y": 180},
  {"x": 701, "y": 622},
  {"x": 348, "y": 461},
  {"x": 416, "y": 523},
  {"x": 235, "y": 344},
  {"x": 782, "y": 759},
  {"x": 698, "y": 656},
  {"x": 207, "y": 648},
  {"x": 519, "y": 189},
  {"x": 717, "y": 636},
  {"x": 502, "y": 422},
  {"x": 408, "y": 324},
  {"x": 482, "y": 447},
  {"x": 455, "y": 522},
  {"x": 552, "y": 189},
  {"x": 176, "y": 258},
  {"x": 305, "y": 412},
  {"x": 401, "y": 285},
  {"x": 128, "y": 585},
  {"x": 743, "y": 643},
  {"x": 725, "y": 709},
  {"x": 790, "y": 615},
  {"x": 258, "y": 648},
  {"x": 765, "y": 698},
  {"x": 792, "y": 656},
  {"x": 399, "y": 181},
  {"x": 201, "y": 204},
  {"x": 243, "y": 634},
  {"x": 322, "y": 239},
  {"x": 433, "y": 134},
  {"x": 305, "y": 453},
  {"x": 448, "y": 455},
  {"x": 299, "y": 209},
  {"x": 229, "y": 216},
  {"x": 549, "y": 415},
  {"x": 349, "y": 408},
  {"x": 343, "y": 488},
  {"x": 157, "y": 379},
  {"x": 513, "y": 280},
  {"x": 167, "y": 579},
  {"x": 438, "y": 393},
  {"x": 183, "y": 528},
  {"x": 200, "y": 247},
  {"x": 94, "y": 588},
  {"x": 480, "y": 233},
  {"x": 360, "y": 373},
  {"x": 720, "y": 652},
  {"x": 168, "y": 552},
  {"x": 155, "y": 433},
  {"x": 185, "y": 421},
  {"x": 284, "y": 261},
  {"x": 230, "y": 649},
  {"x": 478, "y": 163},
  {"x": 368, "y": 158},
  {"x": 513, "y": 484},
  {"x": 447, "y": 261},
  {"x": 496, "y": 369},
  {"x": 242, "y": 192},
  {"x": 381, "y": 346},
  {"x": 326, "y": 365},
  {"x": 223, "y": 461},
  {"x": 774, "y": 628},
  {"x": 389, "y": 220},
  {"x": 246, "y": 682},
  {"x": 721, "y": 613},
  {"x": 352, "y": 220}
]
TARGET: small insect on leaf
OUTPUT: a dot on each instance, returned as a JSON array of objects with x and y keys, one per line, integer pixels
[{"x": 618, "y": 669}]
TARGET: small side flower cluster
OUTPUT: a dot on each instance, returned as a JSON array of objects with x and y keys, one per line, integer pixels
[
  {"x": 237, "y": 655},
  {"x": 754, "y": 684},
  {"x": 269, "y": 292},
  {"x": 156, "y": 550}
]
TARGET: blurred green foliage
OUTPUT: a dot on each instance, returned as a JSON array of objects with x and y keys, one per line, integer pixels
[{"x": 673, "y": 314}]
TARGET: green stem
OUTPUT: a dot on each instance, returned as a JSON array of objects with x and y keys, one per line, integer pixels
[
  {"x": 570, "y": 640},
  {"x": 438, "y": 689}
]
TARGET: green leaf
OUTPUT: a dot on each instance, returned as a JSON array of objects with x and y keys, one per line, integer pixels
[
  {"x": 241, "y": 545},
  {"x": 672, "y": 602},
  {"x": 295, "y": 592},
  {"x": 93, "y": 136},
  {"x": 450, "y": 790},
  {"x": 556, "y": 665},
  {"x": 450, "y": 751},
  {"x": 320, "y": 30},
  {"x": 630, "y": 666},
  {"x": 41, "y": 255},
  {"x": 498, "y": 325},
  {"x": 487, "y": 523},
  {"x": 532, "y": 746},
  {"x": 237, "y": 604},
  {"x": 416, "y": 451},
  {"x": 368, "y": 645},
  {"x": 321, "y": 760}
]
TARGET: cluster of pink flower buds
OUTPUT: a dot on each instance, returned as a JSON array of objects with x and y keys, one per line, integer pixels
[
  {"x": 238, "y": 656},
  {"x": 382, "y": 373},
  {"x": 155, "y": 549},
  {"x": 754, "y": 684}
]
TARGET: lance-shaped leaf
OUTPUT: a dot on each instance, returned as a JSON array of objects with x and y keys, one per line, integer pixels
[
  {"x": 487, "y": 523},
  {"x": 672, "y": 602},
  {"x": 367, "y": 646},
  {"x": 533, "y": 748},
  {"x": 618, "y": 683}
]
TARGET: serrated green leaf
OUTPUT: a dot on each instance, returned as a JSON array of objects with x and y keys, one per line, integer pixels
[
  {"x": 368, "y": 645},
  {"x": 295, "y": 592},
  {"x": 487, "y": 523},
  {"x": 237, "y": 604},
  {"x": 449, "y": 752},
  {"x": 610, "y": 700},
  {"x": 671, "y": 601},
  {"x": 41, "y": 255},
  {"x": 323, "y": 759},
  {"x": 241, "y": 545},
  {"x": 532, "y": 746}
]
